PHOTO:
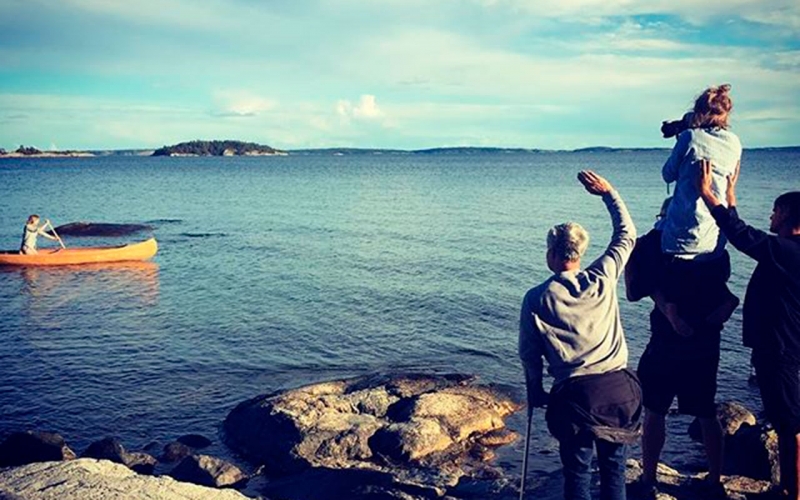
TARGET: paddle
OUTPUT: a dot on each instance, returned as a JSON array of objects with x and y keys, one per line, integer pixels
[{"x": 53, "y": 230}]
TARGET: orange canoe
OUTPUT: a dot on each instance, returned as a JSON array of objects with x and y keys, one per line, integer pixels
[{"x": 81, "y": 255}]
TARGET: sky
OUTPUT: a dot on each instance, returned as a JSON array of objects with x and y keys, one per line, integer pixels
[{"x": 407, "y": 74}]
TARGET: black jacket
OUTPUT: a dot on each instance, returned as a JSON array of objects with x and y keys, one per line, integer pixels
[{"x": 772, "y": 302}]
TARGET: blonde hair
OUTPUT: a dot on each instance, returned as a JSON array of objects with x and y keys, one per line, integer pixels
[
  {"x": 567, "y": 241},
  {"x": 712, "y": 107}
]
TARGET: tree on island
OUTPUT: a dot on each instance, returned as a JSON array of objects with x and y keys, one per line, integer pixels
[
  {"x": 2, "y": 151},
  {"x": 29, "y": 150},
  {"x": 214, "y": 148}
]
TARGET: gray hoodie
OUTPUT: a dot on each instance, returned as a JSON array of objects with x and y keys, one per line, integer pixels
[{"x": 572, "y": 319}]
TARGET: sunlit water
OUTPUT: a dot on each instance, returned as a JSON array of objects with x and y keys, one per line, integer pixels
[{"x": 275, "y": 272}]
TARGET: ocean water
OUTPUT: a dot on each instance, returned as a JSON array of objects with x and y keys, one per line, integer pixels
[{"x": 275, "y": 272}]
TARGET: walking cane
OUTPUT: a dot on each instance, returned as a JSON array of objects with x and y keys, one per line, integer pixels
[{"x": 527, "y": 449}]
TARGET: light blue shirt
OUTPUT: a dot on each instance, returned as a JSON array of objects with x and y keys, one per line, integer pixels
[{"x": 689, "y": 229}]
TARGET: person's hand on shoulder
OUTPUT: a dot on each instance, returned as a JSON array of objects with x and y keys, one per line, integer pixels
[
  {"x": 594, "y": 183},
  {"x": 730, "y": 193},
  {"x": 704, "y": 183}
]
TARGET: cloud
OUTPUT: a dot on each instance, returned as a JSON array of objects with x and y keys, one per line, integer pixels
[
  {"x": 365, "y": 110},
  {"x": 774, "y": 12},
  {"x": 240, "y": 103}
]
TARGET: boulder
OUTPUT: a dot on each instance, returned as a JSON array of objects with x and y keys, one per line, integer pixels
[
  {"x": 425, "y": 431},
  {"x": 140, "y": 462},
  {"x": 100, "y": 229},
  {"x": 111, "y": 449},
  {"x": 195, "y": 441},
  {"x": 208, "y": 471},
  {"x": 175, "y": 451},
  {"x": 21, "y": 448},
  {"x": 90, "y": 479},
  {"x": 106, "y": 449},
  {"x": 731, "y": 415}
]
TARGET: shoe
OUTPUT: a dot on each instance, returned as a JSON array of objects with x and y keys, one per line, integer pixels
[
  {"x": 640, "y": 490},
  {"x": 711, "y": 490}
]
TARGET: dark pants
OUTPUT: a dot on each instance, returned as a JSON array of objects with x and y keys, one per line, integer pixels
[{"x": 576, "y": 457}]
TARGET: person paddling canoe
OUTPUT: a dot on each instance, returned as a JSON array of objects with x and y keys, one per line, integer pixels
[{"x": 31, "y": 232}]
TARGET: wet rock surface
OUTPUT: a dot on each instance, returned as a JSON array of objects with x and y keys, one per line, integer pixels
[{"x": 399, "y": 434}]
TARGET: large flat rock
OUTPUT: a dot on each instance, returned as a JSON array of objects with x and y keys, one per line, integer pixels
[
  {"x": 417, "y": 432},
  {"x": 90, "y": 479}
]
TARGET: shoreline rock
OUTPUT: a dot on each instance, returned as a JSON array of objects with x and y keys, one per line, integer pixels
[
  {"x": 91, "y": 479},
  {"x": 403, "y": 432},
  {"x": 21, "y": 448}
]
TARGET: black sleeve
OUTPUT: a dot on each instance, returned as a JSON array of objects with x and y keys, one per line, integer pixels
[{"x": 747, "y": 239}]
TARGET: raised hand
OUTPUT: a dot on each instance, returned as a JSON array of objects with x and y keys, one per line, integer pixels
[{"x": 594, "y": 183}]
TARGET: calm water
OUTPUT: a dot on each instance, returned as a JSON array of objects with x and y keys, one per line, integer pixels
[{"x": 277, "y": 272}]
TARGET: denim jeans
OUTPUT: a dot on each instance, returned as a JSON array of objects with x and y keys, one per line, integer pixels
[{"x": 576, "y": 457}]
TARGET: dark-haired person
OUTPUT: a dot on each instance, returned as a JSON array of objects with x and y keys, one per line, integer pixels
[
  {"x": 30, "y": 233},
  {"x": 692, "y": 299},
  {"x": 572, "y": 320},
  {"x": 771, "y": 313}
]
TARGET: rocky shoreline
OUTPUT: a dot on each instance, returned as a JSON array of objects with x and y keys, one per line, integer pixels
[{"x": 392, "y": 437}]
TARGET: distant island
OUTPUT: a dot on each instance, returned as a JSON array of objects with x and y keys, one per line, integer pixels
[
  {"x": 241, "y": 148},
  {"x": 217, "y": 148},
  {"x": 31, "y": 152}
]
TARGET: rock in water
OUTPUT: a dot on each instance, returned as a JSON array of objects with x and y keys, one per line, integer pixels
[
  {"x": 175, "y": 451},
  {"x": 22, "y": 448},
  {"x": 100, "y": 229},
  {"x": 111, "y": 449},
  {"x": 208, "y": 471},
  {"x": 90, "y": 479},
  {"x": 195, "y": 441},
  {"x": 420, "y": 429},
  {"x": 731, "y": 415},
  {"x": 140, "y": 462},
  {"x": 106, "y": 449}
]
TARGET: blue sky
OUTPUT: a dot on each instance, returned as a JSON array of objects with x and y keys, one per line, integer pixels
[{"x": 408, "y": 74}]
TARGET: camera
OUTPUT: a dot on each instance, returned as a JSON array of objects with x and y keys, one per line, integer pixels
[{"x": 675, "y": 127}]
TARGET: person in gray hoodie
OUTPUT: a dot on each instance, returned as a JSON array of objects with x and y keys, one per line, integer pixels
[{"x": 572, "y": 320}]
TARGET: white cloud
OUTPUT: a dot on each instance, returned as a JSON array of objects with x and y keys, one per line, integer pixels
[
  {"x": 366, "y": 109},
  {"x": 240, "y": 103}
]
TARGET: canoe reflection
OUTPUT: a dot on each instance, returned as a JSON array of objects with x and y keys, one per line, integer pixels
[{"x": 89, "y": 288}]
